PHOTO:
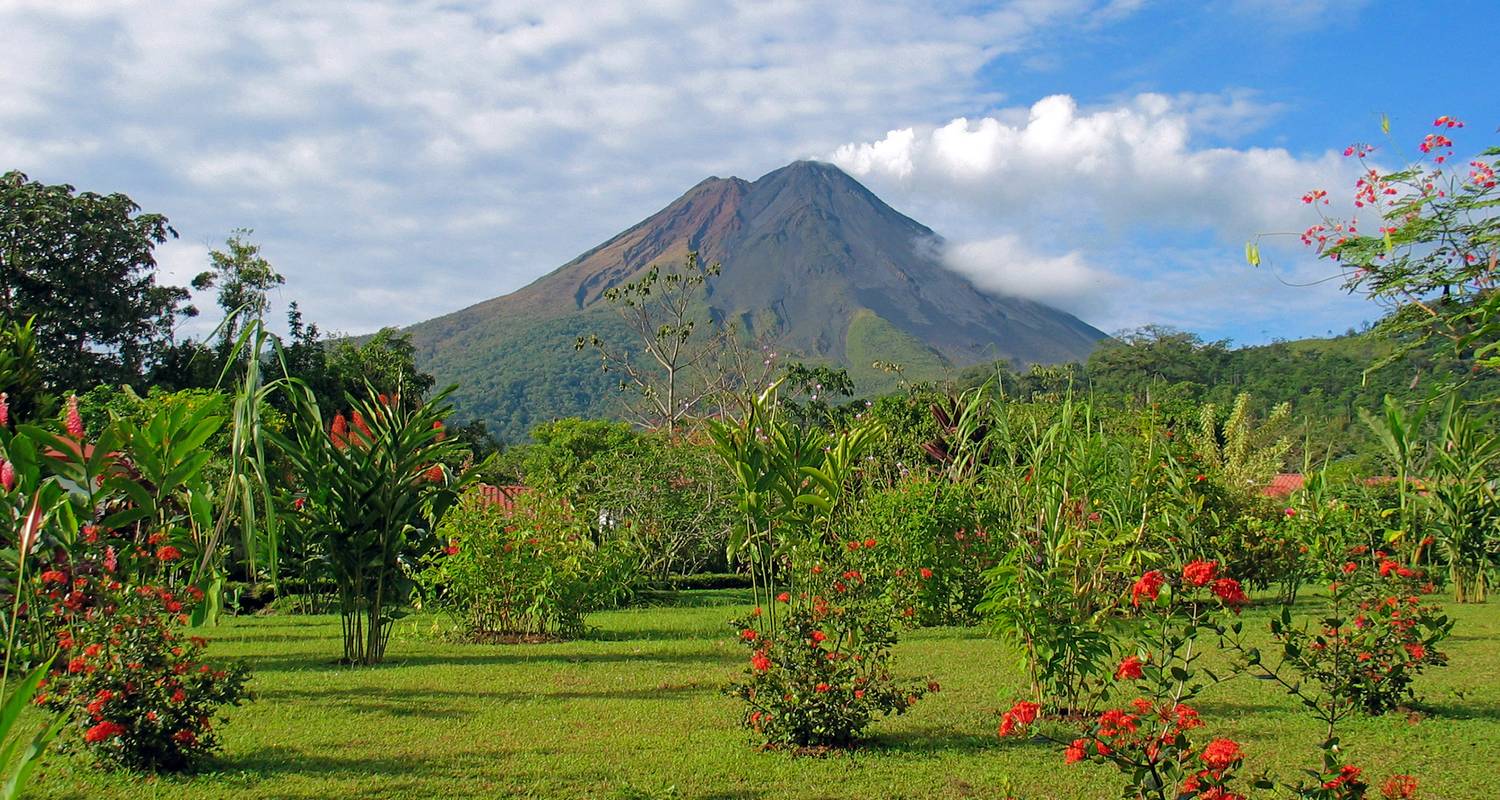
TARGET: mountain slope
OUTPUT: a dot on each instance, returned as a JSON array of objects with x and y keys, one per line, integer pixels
[{"x": 811, "y": 259}]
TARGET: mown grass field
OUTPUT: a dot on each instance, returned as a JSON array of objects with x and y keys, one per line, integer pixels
[{"x": 635, "y": 711}]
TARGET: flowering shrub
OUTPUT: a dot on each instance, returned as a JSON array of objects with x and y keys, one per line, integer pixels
[
  {"x": 934, "y": 549},
  {"x": 822, "y": 673},
  {"x": 1375, "y": 637},
  {"x": 134, "y": 688},
  {"x": 1149, "y": 740},
  {"x": 535, "y": 570},
  {"x": 821, "y": 637}
]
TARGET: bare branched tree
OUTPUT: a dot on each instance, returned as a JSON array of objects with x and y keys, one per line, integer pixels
[{"x": 679, "y": 373}]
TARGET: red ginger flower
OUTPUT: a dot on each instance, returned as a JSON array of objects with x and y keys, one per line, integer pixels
[
  {"x": 1221, "y": 754},
  {"x": 1129, "y": 669},
  {"x": 73, "y": 421},
  {"x": 359, "y": 423},
  {"x": 7, "y": 475},
  {"x": 4, "y": 408},
  {"x": 339, "y": 432},
  {"x": 102, "y": 731},
  {"x": 1018, "y": 717},
  {"x": 1149, "y": 586},
  {"x": 1200, "y": 573}
]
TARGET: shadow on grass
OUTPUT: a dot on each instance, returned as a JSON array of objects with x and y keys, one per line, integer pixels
[
  {"x": 364, "y": 767},
  {"x": 449, "y": 704},
  {"x": 935, "y": 741},
  {"x": 1459, "y": 710},
  {"x": 485, "y": 655}
]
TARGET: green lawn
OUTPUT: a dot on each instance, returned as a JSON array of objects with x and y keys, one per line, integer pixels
[{"x": 635, "y": 712}]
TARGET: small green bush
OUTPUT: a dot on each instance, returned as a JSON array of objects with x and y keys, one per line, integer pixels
[
  {"x": 531, "y": 571},
  {"x": 935, "y": 544}
]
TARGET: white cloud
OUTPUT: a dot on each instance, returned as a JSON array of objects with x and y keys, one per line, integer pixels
[
  {"x": 1007, "y": 265},
  {"x": 1117, "y": 213},
  {"x": 444, "y": 152},
  {"x": 1127, "y": 165}
]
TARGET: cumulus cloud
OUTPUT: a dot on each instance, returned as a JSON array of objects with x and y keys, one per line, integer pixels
[
  {"x": 1105, "y": 211},
  {"x": 443, "y": 152},
  {"x": 1131, "y": 164}
]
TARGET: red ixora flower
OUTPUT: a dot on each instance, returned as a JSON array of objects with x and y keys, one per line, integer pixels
[
  {"x": 168, "y": 553},
  {"x": 748, "y": 634},
  {"x": 1348, "y": 774},
  {"x": 1229, "y": 590},
  {"x": 818, "y": 636},
  {"x": 1019, "y": 716},
  {"x": 1129, "y": 669},
  {"x": 759, "y": 661},
  {"x": 926, "y": 574},
  {"x": 102, "y": 731},
  {"x": 1399, "y": 787},
  {"x": 1148, "y": 586},
  {"x": 1200, "y": 573},
  {"x": 821, "y": 688},
  {"x": 1221, "y": 754},
  {"x": 1076, "y": 752}
]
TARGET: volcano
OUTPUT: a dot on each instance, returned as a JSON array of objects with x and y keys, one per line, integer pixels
[{"x": 810, "y": 260}]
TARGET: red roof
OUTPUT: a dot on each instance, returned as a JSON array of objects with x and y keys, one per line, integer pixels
[
  {"x": 503, "y": 496},
  {"x": 1284, "y": 484}
]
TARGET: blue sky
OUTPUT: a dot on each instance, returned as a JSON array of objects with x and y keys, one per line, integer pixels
[{"x": 398, "y": 160}]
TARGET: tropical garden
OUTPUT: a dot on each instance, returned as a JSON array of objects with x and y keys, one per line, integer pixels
[{"x": 272, "y": 565}]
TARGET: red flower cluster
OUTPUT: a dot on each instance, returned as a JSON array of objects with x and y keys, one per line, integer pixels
[
  {"x": 1148, "y": 586},
  {"x": 1200, "y": 573},
  {"x": 102, "y": 731},
  {"x": 1399, "y": 787},
  {"x": 1129, "y": 669},
  {"x": 1221, "y": 754},
  {"x": 1229, "y": 591},
  {"x": 1018, "y": 718}
]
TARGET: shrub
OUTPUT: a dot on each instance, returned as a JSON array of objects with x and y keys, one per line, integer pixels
[
  {"x": 935, "y": 546},
  {"x": 1374, "y": 638},
  {"x": 821, "y": 674},
  {"x": 132, "y": 685},
  {"x": 534, "y": 570},
  {"x": 820, "y": 641}
]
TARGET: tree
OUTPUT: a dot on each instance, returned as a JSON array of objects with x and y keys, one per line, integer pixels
[
  {"x": 1430, "y": 255},
  {"x": 244, "y": 278},
  {"x": 1155, "y": 355},
  {"x": 680, "y": 369},
  {"x": 387, "y": 362},
  {"x": 81, "y": 264}
]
